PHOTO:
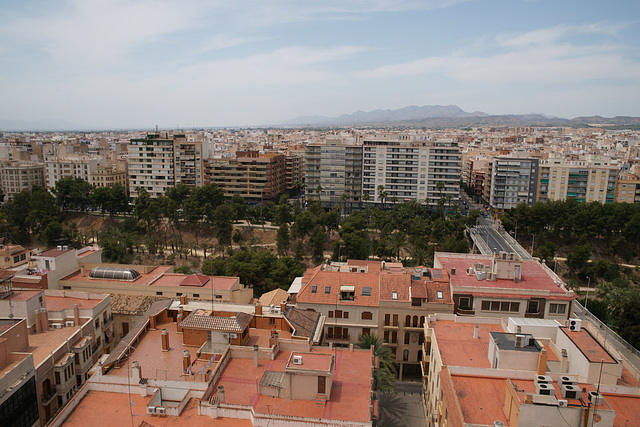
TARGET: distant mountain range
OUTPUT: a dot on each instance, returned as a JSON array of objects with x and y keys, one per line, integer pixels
[{"x": 454, "y": 116}]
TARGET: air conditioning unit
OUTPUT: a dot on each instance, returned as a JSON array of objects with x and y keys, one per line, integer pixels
[
  {"x": 545, "y": 389},
  {"x": 57, "y": 325},
  {"x": 151, "y": 409},
  {"x": 161, "y": 410},
  {"x": 520, "y": 341},
  {"x": 567, "y": 380},
  {"x": 574, "y": 324},
  {"x": 563, "y": 403},
  {"x": 69, "y": 323},
  {"x": 595, "y": 398},
  {"x": 544, "y": 379},
  {"x": 297, "y": 360},
  {"x": 469, "y": 271},
  {"x": 570, "y": 391}
]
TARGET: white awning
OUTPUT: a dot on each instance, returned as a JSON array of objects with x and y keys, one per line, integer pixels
[{"x": 346, "y": 288}]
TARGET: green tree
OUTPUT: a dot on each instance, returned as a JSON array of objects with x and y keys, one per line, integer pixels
[
  {"x": 385, "y": 375},
  {"x": 283, "y": 239},
  {"x": 577, "y": 260},
  {"x": 318, "y": 241},
  {"x": 223, "y": 219}
]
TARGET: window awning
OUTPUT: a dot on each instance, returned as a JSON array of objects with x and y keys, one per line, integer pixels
[{"x": 346, "y": 288}]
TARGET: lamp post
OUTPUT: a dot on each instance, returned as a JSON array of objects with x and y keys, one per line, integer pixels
[
  {"x": 555, "y": 262},
  {"x": 586, "y": 300}
]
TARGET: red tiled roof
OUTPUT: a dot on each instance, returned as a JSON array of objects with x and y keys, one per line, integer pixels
[
  {"x": 418, "y": 290},
  {"x": 237, "y": 323},
  {"x": 52, "y": 253},
  {"x": 399, "y": 283},
  {"x": 434, "y": 287},
  {"x": 336, "y": 279},
  {"x": 195, "y": 280}
]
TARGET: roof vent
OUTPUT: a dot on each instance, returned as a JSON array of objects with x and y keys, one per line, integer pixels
[{"x": 297, "y": 360}]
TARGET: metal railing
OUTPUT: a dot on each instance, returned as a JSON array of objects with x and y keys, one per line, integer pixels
[{"x": 610, "y": 337}]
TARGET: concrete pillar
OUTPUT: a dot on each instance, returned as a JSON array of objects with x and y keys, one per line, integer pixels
[
  {"x": 542, "y": 362},
  {"x": 186, "y": 360},
  {"x": 76, "y": 314},
  {"x": 476, "y": 330},
  {"x": 152, "y": 322},
  {"x": 165, "y": 340},
  {"x": 256, "y": 357},
  {"x": 44, "y": 320},
  {"x": 221, "y": 394},
  {"x": 36, "y": 323}
]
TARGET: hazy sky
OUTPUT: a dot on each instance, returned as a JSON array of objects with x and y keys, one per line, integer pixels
[{"x": 129, "y": 63}]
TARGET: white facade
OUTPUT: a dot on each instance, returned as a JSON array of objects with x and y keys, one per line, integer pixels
[
  {"x": 58, "y": 167},
  {"x": 151, "y": 165}
]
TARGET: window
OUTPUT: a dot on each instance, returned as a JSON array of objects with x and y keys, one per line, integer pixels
[
  {"x": 464, "y": 303},
  {"x": 406, "y": 337},
  {"x": 327, "y": 289},
  {"x": 366, "y": 291},
  {"x": 407, "y": 321},
  {"x": 394, "y": 337},
  {"x": 405, "y": 355},
  {"x": 314, "y": 289},
  {"x": 386, "y": 336},
  {"x": 557, "y": 308},
  {"x": 395, "y": 320},
  {"x": 366, "y": 315},
  {"x": 394, "y": 295},
  {"x": 345, "y": 315},
  {"x": 416, "y": 302},
  {"x": 533, "y": 307},
  {"x": 366, "y": 331},
  {"x": 338, "y": 314},
  {"x": 196, "y": 295},
  {"x": 330, "y": 314},
  {"x": 439, "y": 295},
  {"x": 387, "y": 319},
  {"x": 501, "y": 306},
  {"x": 158, "y": 293},
  {"x": 415, "y": 321},
  {"x": 272, "y": 321}
]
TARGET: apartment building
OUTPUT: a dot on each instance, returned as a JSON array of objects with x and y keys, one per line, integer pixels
[
  {"x": 333, "y": 172},
  {"x": 627, "y": 188},
  {"x": 18, "y": 176},
  {"x": 376, "y": 297},
  {"x": 73, "y": 165},
  {"x": 12, "y": 256},
  {"x": 294, "y": 169},
  {"x": 151, "y": 165},
  {"x": 253, "y": 176},
  {"x": 503, "y": 285},
  {"x": 198, "y": 365},
  {"x": 405, "y": 168},
  {"x": 108, "y": 176},
  {"x": 509, "y": 182},
  {"x": 189, "y": 156},
  {"x": 582, "y": 181},
  {"x": 524, "y": 372},
  {"x": 52, "y": 339}
]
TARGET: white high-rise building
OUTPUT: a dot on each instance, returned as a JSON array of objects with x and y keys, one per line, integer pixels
[
  {"x": 406, "y": 167},
  {"x": 151, "y": 165}
]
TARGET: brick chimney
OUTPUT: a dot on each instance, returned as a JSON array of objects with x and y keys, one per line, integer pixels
[{"x": 165, "y": 340}]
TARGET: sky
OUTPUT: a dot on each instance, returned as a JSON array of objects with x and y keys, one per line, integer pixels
[{"x": 209, "y": 63}]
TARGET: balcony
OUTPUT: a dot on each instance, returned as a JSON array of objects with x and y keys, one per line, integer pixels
[
  {"x": 46, "y": 399},
  {"x": 337, "y": 337},
  {"x": 465, "y": 312},
  {"x": 107, "y": 322}
]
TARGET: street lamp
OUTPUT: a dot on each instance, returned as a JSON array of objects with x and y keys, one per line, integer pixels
[
  {"x": 555, "y": 262},
  {"x": 586, "y": 300}
]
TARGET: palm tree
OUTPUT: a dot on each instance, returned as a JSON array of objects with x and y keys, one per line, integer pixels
[
  {"x": 398, "y": 242},
  {"x": 382, "y": 195},
  {"x": 387, "y": 370},
  {"x": 419, "y": 255}
]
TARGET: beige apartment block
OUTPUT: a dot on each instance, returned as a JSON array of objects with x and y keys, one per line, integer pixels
[
  {"x": 73, "y": 165},
  {"x": 582, "y": 181},
  {"x": 16, "y": 177},
  {"x": 628, "y": 189}
]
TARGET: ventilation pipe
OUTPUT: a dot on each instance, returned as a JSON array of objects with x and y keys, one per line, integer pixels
[
  {"x": 165, "y": 340},
  {"x": 152, "y": 322},
  {"x": 476, "y": 330},
  {"x": 542, "y": 362},
  {"x": 179, "y": 319},
  {"x": 283, "y": 307},
  {"x": 258, "y": 309}
]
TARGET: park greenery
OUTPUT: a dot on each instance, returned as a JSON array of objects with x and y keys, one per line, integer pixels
[
  {"x": 198, "y": 229},
  {"x": 596, "y": 240}
]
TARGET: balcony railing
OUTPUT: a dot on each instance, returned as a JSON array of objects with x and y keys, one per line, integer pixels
[
  {"x": 45, "y": 399},
  {"x": 465, "y": 312},
  {"x": 107, "y": 322},
  {"x": 337, "y": 337}
]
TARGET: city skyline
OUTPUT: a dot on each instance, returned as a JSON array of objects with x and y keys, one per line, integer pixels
[{"x": 211, "y": 64}]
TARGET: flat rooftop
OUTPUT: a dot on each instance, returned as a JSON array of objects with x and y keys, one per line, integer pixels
[
  {"x": 22, "y": 295},
  {"x": 350, "y": 392},
  {"x": 61, "y": 303},
  {"x": 534, "y": 277},
  {"x": 457, "y": 345},
  {"x": 115, "y": 409},
  {"x": 589, "y": 346},
  {"x": 43, "y": 343}
]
